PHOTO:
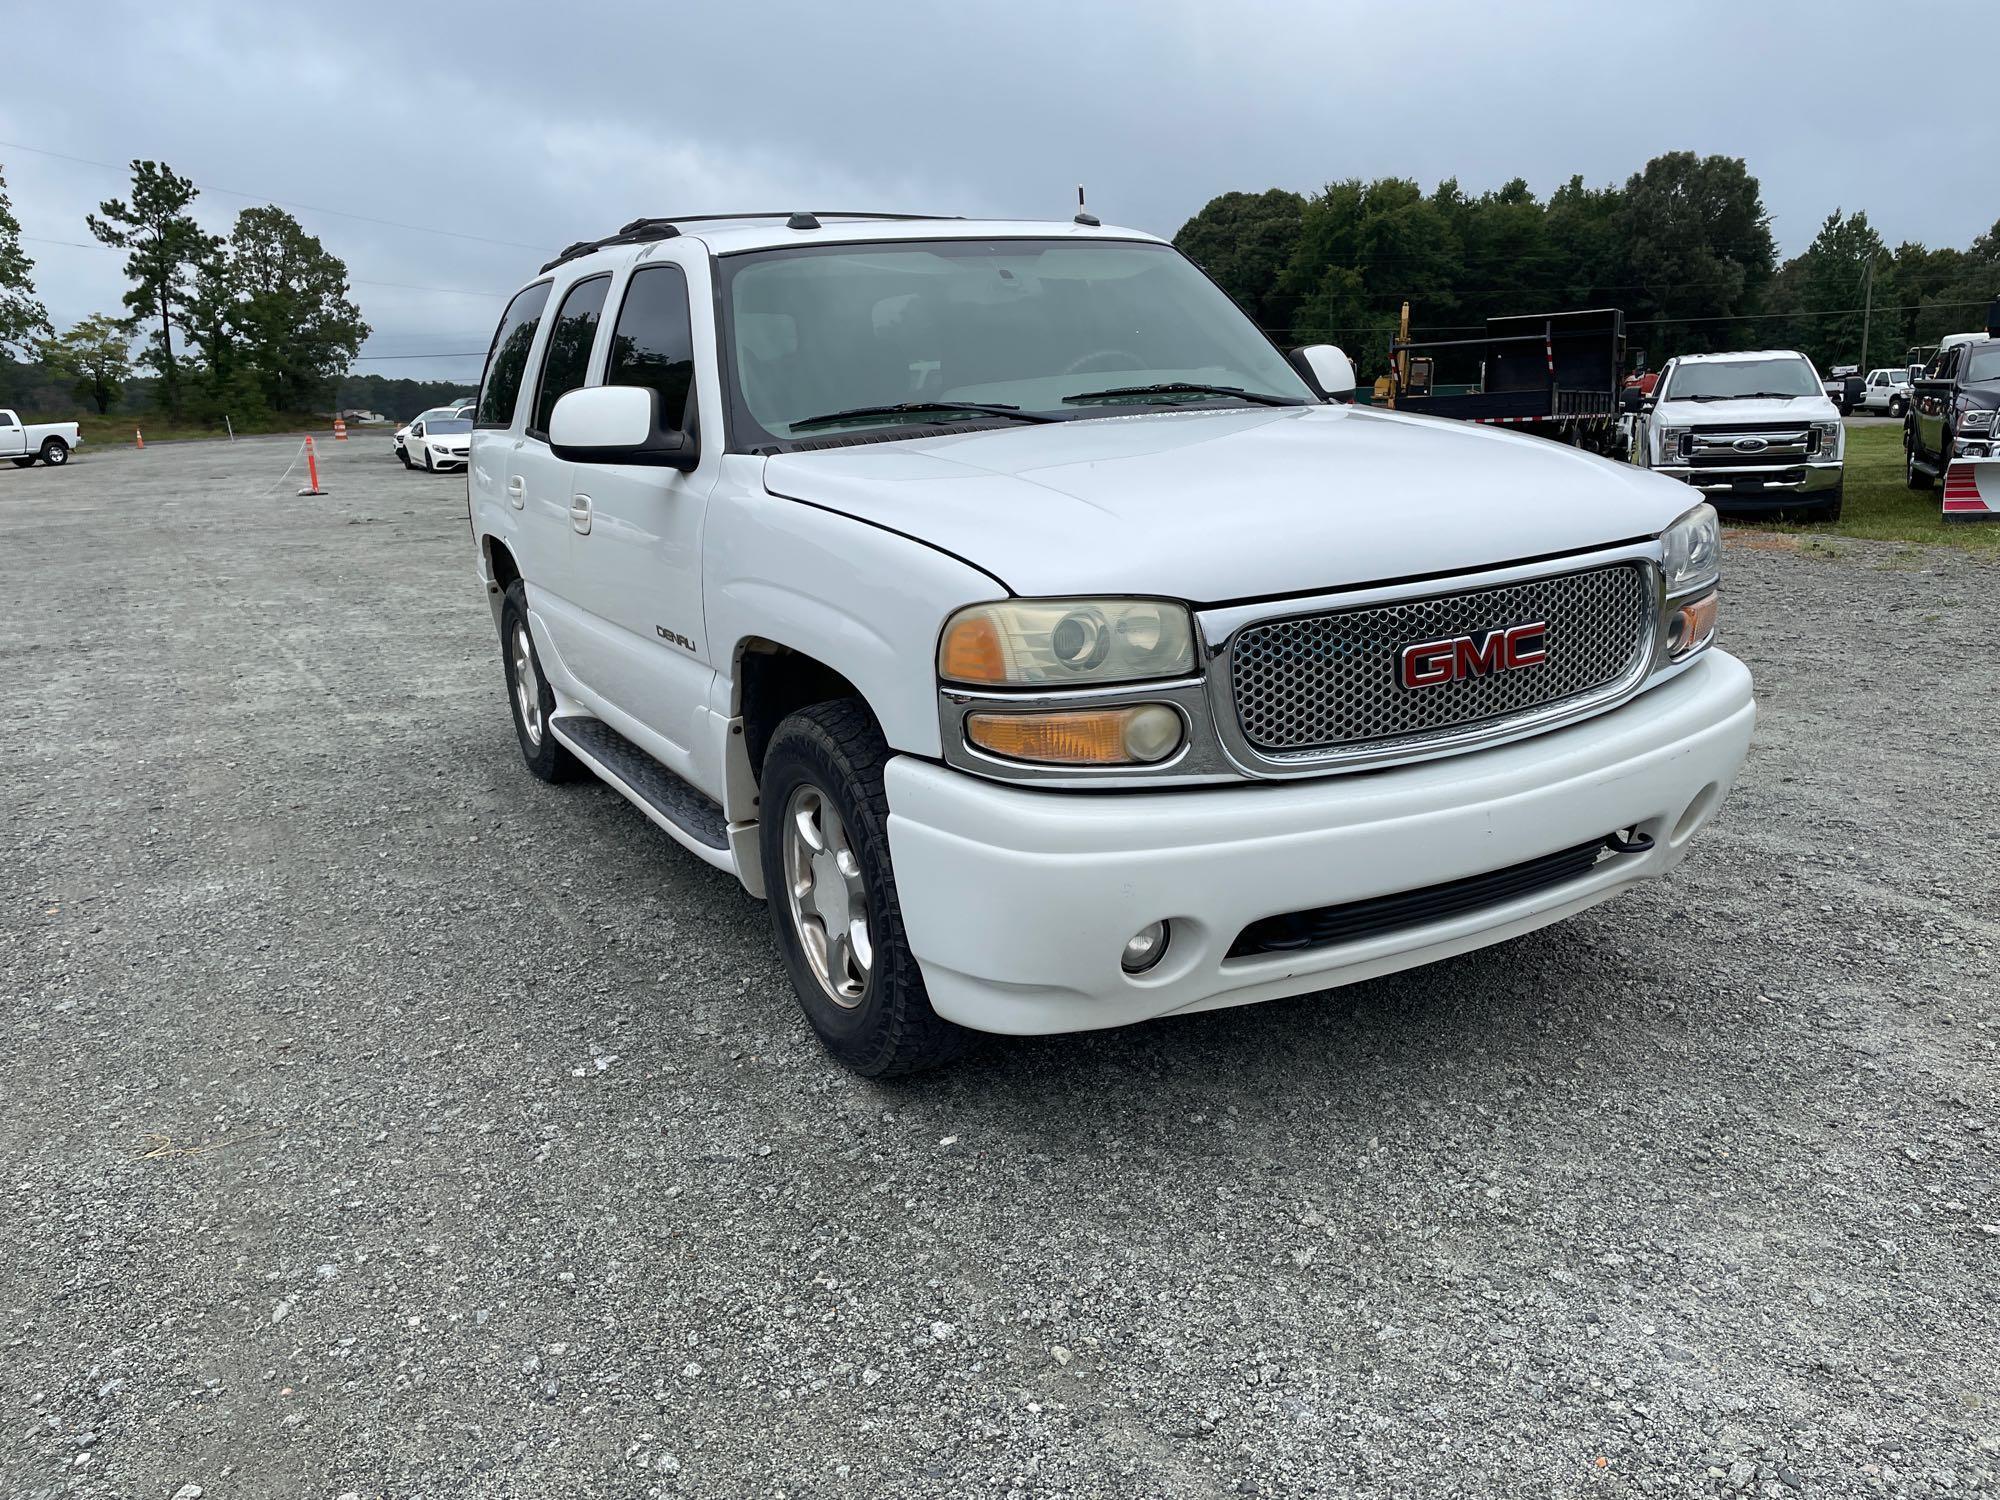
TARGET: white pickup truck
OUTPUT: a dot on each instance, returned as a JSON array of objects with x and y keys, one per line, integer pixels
[
  {"x": 1050, "y": 649},
  {"x": 1753, "y": 431},
  {"x": 24, "y": 442}
]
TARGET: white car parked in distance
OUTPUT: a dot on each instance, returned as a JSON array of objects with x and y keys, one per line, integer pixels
[
  {"x": 1887, "y": 391},
  {"x": 1752, "y": 431},
  {"x": 1051, "y": 650},
  {"x": 435, "y": 439},
  {"x": 36, "y": 442}
]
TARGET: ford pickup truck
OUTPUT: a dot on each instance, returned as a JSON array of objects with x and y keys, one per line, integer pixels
[
  {"x": 1753, "y": 431},
  {"x": 1051, "y": 651},
  {"x": 27, "y": 442}
]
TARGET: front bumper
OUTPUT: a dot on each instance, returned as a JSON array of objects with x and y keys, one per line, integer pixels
[
  {"x": 1017, "y": 902},
  {"x": 1749, "y": 483}
]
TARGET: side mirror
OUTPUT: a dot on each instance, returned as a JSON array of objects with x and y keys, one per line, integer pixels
[
  {"x": 1632, "y": 399},
  {"x": 618, "y": 424},
  {"x": 1326, "y": 370}
]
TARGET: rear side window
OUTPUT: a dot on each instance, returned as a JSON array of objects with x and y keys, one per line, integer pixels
[
  {"x": 568, "y": 359},
  {"x": 507, "y": 361},
  {"x": 653, "y": 344}
]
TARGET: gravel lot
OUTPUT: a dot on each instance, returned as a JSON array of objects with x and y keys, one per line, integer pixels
[{"x": 378, "y": 1121}]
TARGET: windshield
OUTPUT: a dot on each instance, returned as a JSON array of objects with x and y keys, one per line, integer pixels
[
  {"x": 1783, "y": 375},
  {"x": 820, "y": 337},
  {"x": 439, "y": 425},
  {"x": 1983, "y": 362}
]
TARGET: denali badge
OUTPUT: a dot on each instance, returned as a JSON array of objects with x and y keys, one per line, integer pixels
[{"x": 1434, "y": 663}]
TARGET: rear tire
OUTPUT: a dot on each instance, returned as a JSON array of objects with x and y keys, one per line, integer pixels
[
  {"x": 55, "y": 453},
  {"x": 529, "y": 696},
  {"x": 839, "y": 923}
]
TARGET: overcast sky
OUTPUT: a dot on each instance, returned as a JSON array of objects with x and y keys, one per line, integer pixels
[{"x": 523, "y": 127}]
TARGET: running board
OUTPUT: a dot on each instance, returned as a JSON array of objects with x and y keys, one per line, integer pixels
[{"x": 644, "y": 781}]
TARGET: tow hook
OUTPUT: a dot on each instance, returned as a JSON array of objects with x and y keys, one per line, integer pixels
[{"x": 1638, "y": 843}]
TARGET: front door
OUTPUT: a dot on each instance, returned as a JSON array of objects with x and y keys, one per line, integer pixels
[
  {"x": 1931, "y": 400},
  {"x": 641, "y": 645},
  {"x": 13, "y": 436}
]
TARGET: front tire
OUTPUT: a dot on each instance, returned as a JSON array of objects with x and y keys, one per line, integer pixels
[
  {"x": 404, "y": 455},
  {"x": 429, "y": 467},
  {"x": 22, "y": 463},
  {"x": 839, "y": 923},
  {"x": 1897, "y": 407},
  {"x": 529, "y": 696},
  {"x": 1827, "y": 509},
  {"x": 55, "y": 453},
  {"x": 1914, "y": 477}
]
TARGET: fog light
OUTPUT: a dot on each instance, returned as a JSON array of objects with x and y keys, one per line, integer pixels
[{"x": 1145, "y": 948}]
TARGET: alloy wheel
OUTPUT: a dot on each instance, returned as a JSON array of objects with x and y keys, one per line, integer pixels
[
  {"x": 527, "y": 685},
  {"x": 827, "y": 897}
]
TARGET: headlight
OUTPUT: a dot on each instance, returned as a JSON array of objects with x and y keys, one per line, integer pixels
[
  {"x": 1976, "y": 421},
  {"x": 1693, "y": 550},
  {"x": 1066, "y": 642},
  {"x": 1826, "y": 439},
  {"x": 1670, "y": 440}
]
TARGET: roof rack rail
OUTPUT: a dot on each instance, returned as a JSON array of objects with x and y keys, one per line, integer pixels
[{"x": 642, "y": 231}]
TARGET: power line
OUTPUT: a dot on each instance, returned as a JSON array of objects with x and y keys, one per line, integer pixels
[
  {"x": 457, "y": 234},
  {"x": 480, "y": 354},
  {"x": 450, "y": 291}
]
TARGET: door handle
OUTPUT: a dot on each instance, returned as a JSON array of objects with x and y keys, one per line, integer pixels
[
  {"x": 579, "y": 514},
  {"x": 517, "y": 489}
]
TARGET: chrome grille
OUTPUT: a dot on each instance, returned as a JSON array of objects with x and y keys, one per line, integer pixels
[{"x": 1324, "y": 683}]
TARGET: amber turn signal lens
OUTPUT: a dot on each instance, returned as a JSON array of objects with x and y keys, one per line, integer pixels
[
  {"x": 971, "y": 651},
  {"x": 1137, "y": 735},
  {"x": 1692, "y": 626}
]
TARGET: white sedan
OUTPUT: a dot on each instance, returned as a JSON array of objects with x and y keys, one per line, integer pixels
[
  {"x": 413, "y": 457},
  {"x": 438, "y": 442}
]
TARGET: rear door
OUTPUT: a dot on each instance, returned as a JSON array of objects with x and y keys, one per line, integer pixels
[
  {"x": 543, "y": 481},
  {"x": 13, "y": 436},
  {"x": 641, "y": 645},
  {"x": 496, "y": 480}
]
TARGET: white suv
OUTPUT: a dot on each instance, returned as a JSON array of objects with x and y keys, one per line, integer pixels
[{"x": 1048, "y": 647}]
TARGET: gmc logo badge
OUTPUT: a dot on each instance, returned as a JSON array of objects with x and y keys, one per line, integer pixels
[{"x": 1434, "y": 663}]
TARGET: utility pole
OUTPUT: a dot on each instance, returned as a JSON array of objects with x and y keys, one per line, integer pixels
[{"x": 1867, "y": 312}]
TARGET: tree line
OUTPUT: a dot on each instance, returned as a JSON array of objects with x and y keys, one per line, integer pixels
[
  {"x": 1684, "y": 247},
  {"x": 248, "y": 324}
]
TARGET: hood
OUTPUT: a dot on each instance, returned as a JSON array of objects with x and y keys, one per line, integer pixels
[
  {"x": 1225, "y": 505},
  {"x": 1741, "y": 412}
]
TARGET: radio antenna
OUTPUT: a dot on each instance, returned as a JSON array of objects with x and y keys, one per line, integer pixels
[{"x": 1083, "y": 215}]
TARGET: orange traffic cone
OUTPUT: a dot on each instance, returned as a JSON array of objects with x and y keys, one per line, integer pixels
[
  {"x": 339, "y": 430},
  {"x": 138, "y": 438}
]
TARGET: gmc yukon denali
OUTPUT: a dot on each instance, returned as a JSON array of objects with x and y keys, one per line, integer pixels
[{"x": 1051, "y": 651}]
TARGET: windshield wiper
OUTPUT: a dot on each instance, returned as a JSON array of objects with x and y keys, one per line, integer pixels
[
  {"x": 1185, "y": 388},
  {"x": 921, "y": 408}
]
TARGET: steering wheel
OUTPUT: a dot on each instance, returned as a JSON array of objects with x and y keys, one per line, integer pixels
[{"x": 1083, "y": 362}]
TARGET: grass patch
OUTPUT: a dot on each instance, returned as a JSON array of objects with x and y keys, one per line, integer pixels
[{"x": 1880, "y": 508}]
